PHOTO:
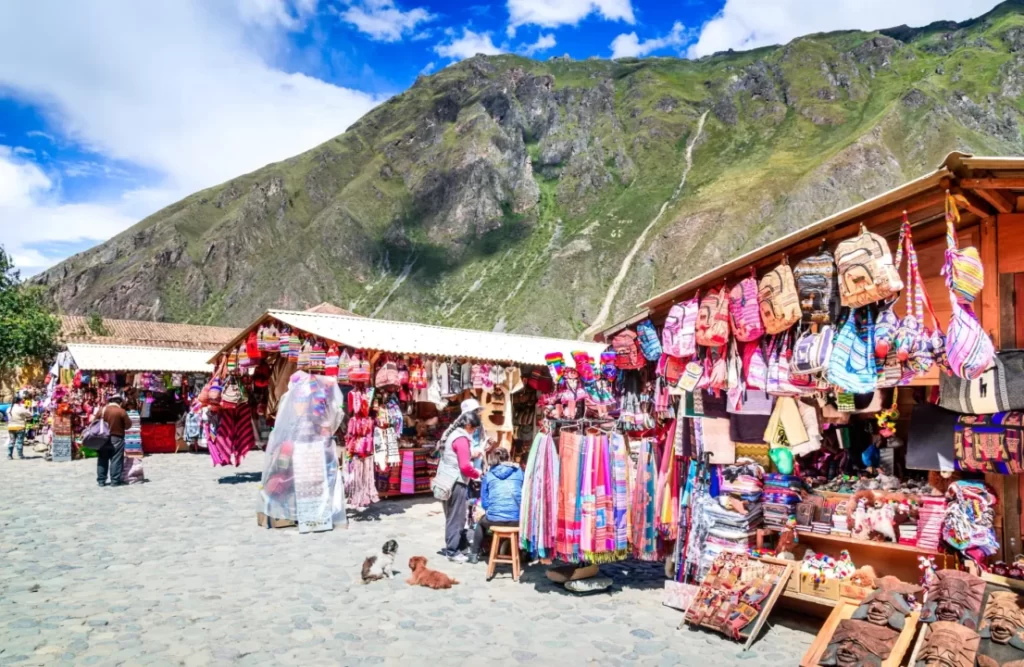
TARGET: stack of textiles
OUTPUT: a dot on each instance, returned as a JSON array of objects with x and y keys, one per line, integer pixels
[
  {"x": 133, "y": 436},
  {"x": 780, "y": 497},
  {"x": 929, "y": 522},
  {"x": 743, "y": 481},
  {"x": 424, "y": 470},
  {"x": 408, "y": 484},
  {"x": 730, "y": 530}
]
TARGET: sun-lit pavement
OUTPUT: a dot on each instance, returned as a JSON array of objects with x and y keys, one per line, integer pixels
[{"x": 176, "y": 572}]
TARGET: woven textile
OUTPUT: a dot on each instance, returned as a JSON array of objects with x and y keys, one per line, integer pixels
[
  {"x": 133, "y": 436},
  {"x": 642, "y": 508},
  {"x": 408, "y": 483},
  {"x": 990, "y": 443},
  {"x": 538, "y": 510},
  {"x": 567, "y": 542}
]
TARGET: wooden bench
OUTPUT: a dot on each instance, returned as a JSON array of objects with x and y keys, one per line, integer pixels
[{"x": 511, "y": 535}]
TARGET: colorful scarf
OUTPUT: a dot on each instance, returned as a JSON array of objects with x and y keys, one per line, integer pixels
[
  {"x": 644, "y": 537},
  {"x": 604, "y": 504},
  {"x": 567, "y": 534},
  {"x": 133, "y": 436},
  {"x": 667, "y": 498},
  {"x": 620, "y": 481},
  {"x": 588, "y": 498},
  {"x": 538, "y": 509}
]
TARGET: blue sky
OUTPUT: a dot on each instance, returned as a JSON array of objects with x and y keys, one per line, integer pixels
[{"x": 112, "y": 109}]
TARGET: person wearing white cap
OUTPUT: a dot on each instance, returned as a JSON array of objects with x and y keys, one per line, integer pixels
[{"x": 456, "y": 466}]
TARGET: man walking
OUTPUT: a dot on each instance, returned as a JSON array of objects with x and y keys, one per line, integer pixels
[{"x": 111, "y": 455}]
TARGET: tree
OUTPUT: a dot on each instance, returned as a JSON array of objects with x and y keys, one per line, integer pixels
[{"x": 28, "y": 331}]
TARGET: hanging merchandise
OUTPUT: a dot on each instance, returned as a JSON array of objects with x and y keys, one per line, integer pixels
[
  {"x": 650, "y": 345},
  {"x": 235, "y": 435},
  {"x": 538, "y": 510},
  {"x": 567, "y": 531},
  {"x": 305, "y": 355},
  {"x": 866, "y": 270},
  {"x": 744, "y": 310},
  {"x": 778, "y": 299},
  {"x": 812, "y": 352},
  {"x": 963, "y": 270},
  {"x": 969, "y": 350},
  {"x": 852, "y": 364},
  {"x": 627, "y": 351},
  {"x": 998, "y": 389},
  {"x": 603, "y": 534},
  {"x": 818, "y": 288},
  {"x": 667, "y": 494},
  {"x": 317, "y": 357},
  {"x": 344, "y": 368},
  {"x": 885, "y": 330},
  {"x": 642, "y": 505},
  {"x": 556, "y": 365},
  {"x": 359, "y": 370},
  {"x": 678, "y": 336},
  {"x": 332, "y": 360},
  {"x": 252, "y": 348},
  {"x": 755, "y": 365},
  {"x": 989, "y": 443},
  {"x": 970, "y": 518},
  {"x": 712, "y": 329}
]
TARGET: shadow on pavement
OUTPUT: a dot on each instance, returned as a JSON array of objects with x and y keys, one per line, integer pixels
[
  {"x": 628, "y": 574},
  {"x": 389, "y": 507},
  {"x": 241, "y": 478}
]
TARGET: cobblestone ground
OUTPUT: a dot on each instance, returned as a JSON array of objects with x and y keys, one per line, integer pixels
[{"x": 176, "y": 572}]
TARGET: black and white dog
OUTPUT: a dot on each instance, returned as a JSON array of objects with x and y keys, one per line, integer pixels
[{"x": 379, "y": 566}]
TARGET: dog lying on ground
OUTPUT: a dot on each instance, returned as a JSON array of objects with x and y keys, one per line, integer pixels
[
  {"x": 424, "y": 576},
  {"x": 380, "y": 566}
]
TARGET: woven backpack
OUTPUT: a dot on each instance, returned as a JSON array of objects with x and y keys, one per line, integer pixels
[
  {"x": 778, "y": 300},
  {"x": 964, "y": 272},
  {"x": 818, "y": 288},
  {"x": 712, "y": 328},
  {"x": 677, "y": 336},
  {"x": 744, "y": 311},
  {"x": 866, "y": 270},
  {"x": 627, "y": 351},
  {"x": 650, "y": 345}
]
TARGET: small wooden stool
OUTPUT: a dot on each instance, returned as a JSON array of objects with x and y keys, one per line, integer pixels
[{"x": 511, "y": 534}]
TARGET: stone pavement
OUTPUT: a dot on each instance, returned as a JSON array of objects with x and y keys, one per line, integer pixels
[{"x": 176, "y": 572}]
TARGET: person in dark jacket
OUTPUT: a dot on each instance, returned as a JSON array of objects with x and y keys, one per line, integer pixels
[
  {"x": 110, "y": 457},
  {"x": 500, "y": 495}
]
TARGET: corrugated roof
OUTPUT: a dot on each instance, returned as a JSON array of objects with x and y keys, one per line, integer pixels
[
  {"x": 140, "y": 358},
  {"x": 75, "y": 329},
  {"x": 366, "y": 333}
]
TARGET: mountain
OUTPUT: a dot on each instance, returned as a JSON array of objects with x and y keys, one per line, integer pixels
[{"x": 545, "y": 197}]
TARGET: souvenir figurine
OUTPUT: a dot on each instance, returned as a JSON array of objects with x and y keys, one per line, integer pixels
[
  {"x": 859, "y": 644},
  {"x": 955, "y": 596},
  {"x": 949, "y": 645},
  {"x": 1003, "y": 620}
]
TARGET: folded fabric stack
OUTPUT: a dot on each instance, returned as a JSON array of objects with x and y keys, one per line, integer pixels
[
  {"x": 780, "y": 497},
  {"x": 743, "y": 481},
  {"x": 730, "y": 530}
]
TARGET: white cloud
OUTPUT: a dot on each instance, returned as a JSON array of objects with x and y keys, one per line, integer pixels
[
  {"x": 467, "y": 46},
  {"x": 21, "y": 150},
  {"x": 177, "y": 89},
  {"x": 276, "y": 13},
  {"x": 553, "y": 13},
  {"x": 748, "y": 24},
  {"x": 630, "y": 46},
  {"x": 40, "y": 133},
  {"x": 428, "y": 68},
  {"x": 383, "y": 21},
  {"x": 543, "y": 43}
]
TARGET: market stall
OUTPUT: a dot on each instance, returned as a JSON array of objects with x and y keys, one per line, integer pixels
[
  {"x": 158, "y": 385},
  {"x": 400, "y": 385},
  {"x": 837, "y": 399}
]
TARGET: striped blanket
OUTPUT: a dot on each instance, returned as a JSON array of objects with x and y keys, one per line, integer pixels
[
  {"x": 644, "y": 537},
  {"x": 538, "y": 510},
  {"x": 567, "y": 534}
]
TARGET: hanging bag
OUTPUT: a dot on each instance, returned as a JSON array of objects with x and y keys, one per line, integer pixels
[
  {"x": 778, "y": 300},
  {"x": 963, "y": 270},
  {"x": 744, "y": 310},
  {"x": 97, "y": 434},
  {"x": 678, "y": 336},
  {"x": 650, "y": 345},
  {"x": 866, "y": 270},
  {"x": 812, "y": 352},
  {"x": 852, "y": 364},
  {"x": 755, "y": 365},
  {"x": 999, "y": 389},
  {"x": 969, "y": 350},
  {"x": 712, "y": 329},
  {"x": 817, "y": 288}
]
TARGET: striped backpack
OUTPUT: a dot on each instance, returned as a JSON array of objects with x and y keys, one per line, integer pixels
[
  {"x": 964, "y": 272},
  {"x": 744, "y": 311},
  {"x": 778, "y": 300},
  {"x": 712, "y": 328},
  {"x": 678, "y": 334},
  {"x": 650, "y": 346}
]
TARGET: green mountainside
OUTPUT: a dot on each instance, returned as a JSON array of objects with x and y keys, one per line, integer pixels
[{"x": 506, "y": 193}]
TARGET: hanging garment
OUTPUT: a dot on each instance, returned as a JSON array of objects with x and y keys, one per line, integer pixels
[
  {"x": 620, "y": 481},
  {"x": 667, "y": 495},
  {"x": 570, "y": 451},
  {"x": 133, "y": 436},
  {"x": 538, "y": 510},
  {"x": 235, "y": 436},
  {"x": 644, "y": 536}
]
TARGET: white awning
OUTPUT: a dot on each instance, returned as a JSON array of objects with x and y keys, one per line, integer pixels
[
  {"x": 366, "y": 333},
  {"x": 138, "y": 359}
]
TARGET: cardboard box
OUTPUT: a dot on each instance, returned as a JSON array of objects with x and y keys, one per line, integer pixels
[
  {"x": 827, "y": 589},
  {"x": 853, "y": 591}
]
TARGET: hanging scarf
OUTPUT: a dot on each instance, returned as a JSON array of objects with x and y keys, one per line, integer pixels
[
  {"x": 644, "y": 538},
  {"x": 588, "y": 499},
  {"x": 567, "y": 534},
  {"x": 620, "y": 493},
  {"x": 538, "y": 509},
  {"x": 668, "y": 492},
  {"x": 604, "y": 504}
]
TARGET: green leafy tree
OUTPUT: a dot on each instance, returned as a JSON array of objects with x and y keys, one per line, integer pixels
[{"x": 28, "y": 331}]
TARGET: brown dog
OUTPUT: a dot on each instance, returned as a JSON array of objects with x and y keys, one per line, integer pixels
[{"x": 424, "y": 576}]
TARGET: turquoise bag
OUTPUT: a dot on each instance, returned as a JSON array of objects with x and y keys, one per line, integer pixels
[{"x": 852, "y": 364}]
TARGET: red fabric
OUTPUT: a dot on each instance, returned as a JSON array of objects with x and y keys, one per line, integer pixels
[
  {"x": 158, "y": 439},
  {"x": 461, "y": 447}
]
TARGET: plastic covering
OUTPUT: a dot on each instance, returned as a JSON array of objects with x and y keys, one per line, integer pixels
[{"x": 301, "y": 478}]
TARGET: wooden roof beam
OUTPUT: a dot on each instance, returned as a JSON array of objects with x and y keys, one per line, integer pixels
[
  {"x": 971, "y": 202},
  {"x": 997, "y": 199},
  {"x": 992, "y": 183}
]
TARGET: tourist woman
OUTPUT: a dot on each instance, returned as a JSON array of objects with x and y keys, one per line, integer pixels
[{"x": 456, "y": 464}]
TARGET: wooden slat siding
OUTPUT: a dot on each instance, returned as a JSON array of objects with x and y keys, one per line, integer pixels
[
  {"x": 1010, "y": 235},
  {"x": 1018, "y": 307},
  {"x": 1007, "y": 312},
  {"x": 988, "y": 311},
  {"x": 992, "y": 183},
  {"x": 1020, "y": 204},
  {"x": 886, "y": 223}
]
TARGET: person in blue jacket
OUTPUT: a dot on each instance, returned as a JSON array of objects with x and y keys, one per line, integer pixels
[{"x": 500, "y": 494}]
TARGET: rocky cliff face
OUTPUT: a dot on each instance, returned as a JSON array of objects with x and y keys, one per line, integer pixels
[{"x": 504, "y": 193}]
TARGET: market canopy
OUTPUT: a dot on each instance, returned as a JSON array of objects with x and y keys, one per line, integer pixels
[
  {"x": 366, "y": 333},
  {"x": 139, "y": 359}
]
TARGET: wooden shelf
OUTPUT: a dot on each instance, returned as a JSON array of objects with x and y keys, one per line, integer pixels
[
  {"x": 814, "y": 599},
  {"x": 839, "y": 539}
]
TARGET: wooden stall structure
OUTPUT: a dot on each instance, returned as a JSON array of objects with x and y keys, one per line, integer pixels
[{"x": 989, "y": 192}]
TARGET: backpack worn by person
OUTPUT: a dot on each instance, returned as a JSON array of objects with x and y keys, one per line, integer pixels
[
  {"x": 744, "y": 310},
  {"x": 678, "y": 334},
  {"x": 627, "y": 351},
  {"x": 712, "y": 328},
  {"x": 818, "y": 288},
  {"x": 866, "y": 270},
  {"x": 778, "y": 300},
  {"x": 650, "y": 345}
]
